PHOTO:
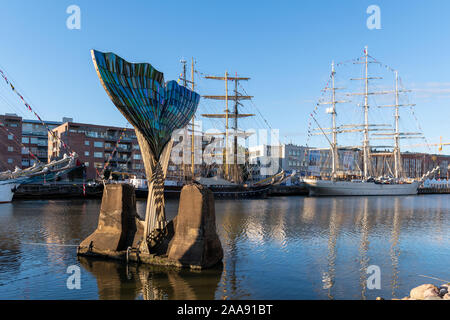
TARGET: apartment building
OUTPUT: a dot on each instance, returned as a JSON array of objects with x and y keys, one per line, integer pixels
[
  {"x": 10, "y": 142},
  {"x": 19, "y": 137},
  {"x": 94, "y": 145}
]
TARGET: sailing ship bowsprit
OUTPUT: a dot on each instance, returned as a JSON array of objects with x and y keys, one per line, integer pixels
[
  {"x": 341, "y": 184},
  {"x": 11, "y": 180}
]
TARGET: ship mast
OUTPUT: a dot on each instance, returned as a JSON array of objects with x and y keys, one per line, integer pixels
[
  {"x": 397, "y": 135},
  {"x": 366, "y": 117},
  {"x": 192, "y": 83},
  {"x": 334, "y": 129},
  {"x": 334, "y": 146},
  {"x": 366, "y": 126},
  {"x": 227, "y": 115},
  {"x": 397, "y": 155},
  {"x": 193, "y": 125}
]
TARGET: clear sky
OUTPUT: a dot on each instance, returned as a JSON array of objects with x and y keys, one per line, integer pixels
[{"x": 286, "y": 47}]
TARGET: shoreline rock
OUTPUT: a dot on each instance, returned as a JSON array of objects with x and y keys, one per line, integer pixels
[{"x": 427, "y": 292}]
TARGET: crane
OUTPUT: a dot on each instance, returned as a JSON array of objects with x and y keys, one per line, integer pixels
[{"x": 440, "y": 145}]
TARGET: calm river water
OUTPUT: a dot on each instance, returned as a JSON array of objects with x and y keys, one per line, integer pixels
[{"x": 277, "y": 248}]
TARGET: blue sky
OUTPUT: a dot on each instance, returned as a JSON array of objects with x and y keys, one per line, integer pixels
[{"x": 286, "y": 47}]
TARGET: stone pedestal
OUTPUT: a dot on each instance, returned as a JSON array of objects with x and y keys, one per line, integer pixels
[
  {"x": 195, "y": 242},
  {"x": 189, "y": 240},
  {"x": 117, "y": 221}
]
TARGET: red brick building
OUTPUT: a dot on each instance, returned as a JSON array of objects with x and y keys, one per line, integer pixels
[
  {"x": 10, "y": 142},
  {"x": 94, "y": 145},
  {"x": 19, "y": 137},
  {"x": 415, "y": 165}
]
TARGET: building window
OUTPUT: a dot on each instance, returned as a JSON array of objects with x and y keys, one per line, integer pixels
[
  {"x": 25, "y": 151},
  {"x": 34, "y": 141},
  {"x": 10, "y": 160},
  {"x": 13, "y": 125},
  {"x": 98, "y": 144},
  {"x": 25, "y": 163},
  {"x": 98, "y": 154},
  {"x": 137, "y": 157},
  {"x": 25, "y": 140},
  {"x": 10, "y": 149},
  {"x": 86, "y": 153},
  {"x": 135, "y": 146},
  {"x": 98, "y": 165},
  {"x": 93, "y": 134},
  {"x": 86, "y": 143},
  {"x": 10, "y": 136}
]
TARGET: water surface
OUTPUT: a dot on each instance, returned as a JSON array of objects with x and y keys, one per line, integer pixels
[{"x": 277, "y": 248}]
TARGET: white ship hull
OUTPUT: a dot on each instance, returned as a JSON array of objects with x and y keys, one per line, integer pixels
[
  {"x": 348, "y": 188},
  {"x": 7, "y": 188}
]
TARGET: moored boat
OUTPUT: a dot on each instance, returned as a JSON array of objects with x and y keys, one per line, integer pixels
[
  {"x": 359, "y": 188},
  {"x": 392, "y": 180}
]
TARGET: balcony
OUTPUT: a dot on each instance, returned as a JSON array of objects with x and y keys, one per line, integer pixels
[{"x": 117, "y": 159}]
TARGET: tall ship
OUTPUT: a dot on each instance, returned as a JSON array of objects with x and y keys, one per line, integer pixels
[
  {"x": 366, "y": 181},
  {"x": 228, "y": 178}
]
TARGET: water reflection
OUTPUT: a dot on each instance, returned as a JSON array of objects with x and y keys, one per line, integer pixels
[
  {"x": 10, "y": 249},
  {"x": 394, "y": 250},
  {"x": 117, "y": 281},
  {"x": 322, "y": 234},
  {"x": 276, "y": 248},
  {"x": 329, "y": 276}
]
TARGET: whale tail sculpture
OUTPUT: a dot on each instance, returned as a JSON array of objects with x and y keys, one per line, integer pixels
[{"x": 155, "y": 109}]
